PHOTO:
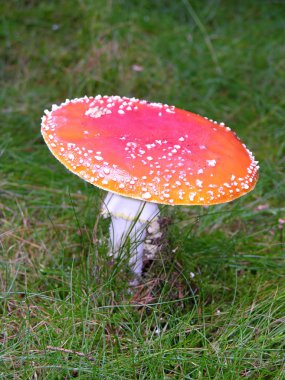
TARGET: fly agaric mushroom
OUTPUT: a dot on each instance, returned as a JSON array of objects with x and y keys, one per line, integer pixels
[{"x": 146, "y": 153}]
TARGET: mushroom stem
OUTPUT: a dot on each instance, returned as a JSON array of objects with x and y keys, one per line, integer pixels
[{"x": 129, "y": 220}]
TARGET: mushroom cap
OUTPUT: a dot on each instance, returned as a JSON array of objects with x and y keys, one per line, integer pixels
[{"x": 149, "y": 151}]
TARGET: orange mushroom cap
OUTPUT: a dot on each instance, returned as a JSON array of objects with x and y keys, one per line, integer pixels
[{"x": 149, "y": 151}]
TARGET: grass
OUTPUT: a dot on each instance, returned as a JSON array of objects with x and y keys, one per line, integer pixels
[{"x": 212, "y": 306}]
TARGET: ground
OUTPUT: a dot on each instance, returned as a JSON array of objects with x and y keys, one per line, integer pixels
[{"x": 212, "y": 305}]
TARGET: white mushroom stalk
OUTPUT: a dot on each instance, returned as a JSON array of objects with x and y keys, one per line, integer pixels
[{"x": 129, "y": 221}]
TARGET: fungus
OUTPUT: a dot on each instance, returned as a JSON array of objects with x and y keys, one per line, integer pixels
[{"x": 146, "y": 154}]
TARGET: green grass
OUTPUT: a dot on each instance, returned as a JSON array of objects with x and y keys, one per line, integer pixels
[{"x": 58, "y": 291}]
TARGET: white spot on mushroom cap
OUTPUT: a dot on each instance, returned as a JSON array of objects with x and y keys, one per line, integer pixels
[
  {"x": 199, "y": 183},
  {"x": 97, "y": 112},
  {"x": 146, "y": 195},
  {"x": 211, "y": 163}
]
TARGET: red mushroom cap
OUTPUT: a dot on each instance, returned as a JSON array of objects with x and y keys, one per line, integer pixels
[{"x": 149, "y": 151}]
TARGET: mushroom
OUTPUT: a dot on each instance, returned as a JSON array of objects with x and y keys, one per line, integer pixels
[{"x": 146, "y": 154}]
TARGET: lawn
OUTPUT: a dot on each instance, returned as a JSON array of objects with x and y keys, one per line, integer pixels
[{"x": 212, "y": 304}]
